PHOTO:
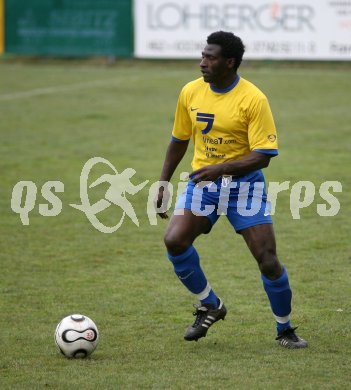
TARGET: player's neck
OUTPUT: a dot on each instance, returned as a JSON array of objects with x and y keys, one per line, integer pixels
[{"x": 225, "y": 82}]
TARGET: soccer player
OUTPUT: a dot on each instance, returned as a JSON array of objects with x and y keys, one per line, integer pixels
[{"x": 234, "y": 135}]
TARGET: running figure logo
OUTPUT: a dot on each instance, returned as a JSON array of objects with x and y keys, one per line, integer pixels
[{"x": 120, "y": 184}]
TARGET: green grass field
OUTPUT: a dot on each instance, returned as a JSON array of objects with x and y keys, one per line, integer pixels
[{"x": 54, "y": 116}]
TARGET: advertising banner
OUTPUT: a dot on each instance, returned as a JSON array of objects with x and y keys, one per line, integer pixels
[
  {"x": 1, "y": 26},
  {"x": 69, "y": 27},
  {"x": 285, "y": 29}
]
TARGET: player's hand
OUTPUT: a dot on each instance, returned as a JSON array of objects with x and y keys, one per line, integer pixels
[
  {"x": 161, "y": 202},
  {"x": 208, "y": 173}
]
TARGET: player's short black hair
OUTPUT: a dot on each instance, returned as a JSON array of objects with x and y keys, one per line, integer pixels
[{"x": 232, "y": 46}]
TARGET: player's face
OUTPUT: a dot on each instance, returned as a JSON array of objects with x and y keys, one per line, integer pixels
[{"x": 213, "y": 66}]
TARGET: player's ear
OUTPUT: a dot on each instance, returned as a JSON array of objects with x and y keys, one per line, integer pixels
[{"x": 230, "y": 63}]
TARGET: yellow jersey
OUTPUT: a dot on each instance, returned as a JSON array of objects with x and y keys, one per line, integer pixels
[{"x": 226, "y": 124}]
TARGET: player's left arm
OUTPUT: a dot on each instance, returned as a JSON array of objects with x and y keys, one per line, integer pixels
[{"x": 251, "y": 162}]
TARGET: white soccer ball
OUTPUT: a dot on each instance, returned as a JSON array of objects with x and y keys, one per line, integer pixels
[{"x": 77, "y": 336}]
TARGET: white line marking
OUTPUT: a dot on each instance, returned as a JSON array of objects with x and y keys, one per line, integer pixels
[
  {"x": 57, "y": 89},
  {"x": 75, "y": 87},
  {"x": 101, "y": 83}
]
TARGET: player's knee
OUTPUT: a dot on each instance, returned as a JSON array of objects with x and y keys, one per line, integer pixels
[
  {"x": 175, "y": 244},
  {"x": 269, "y": 264}
]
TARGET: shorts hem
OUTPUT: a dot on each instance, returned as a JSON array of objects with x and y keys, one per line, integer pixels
[{"x": 253, "y": 223}]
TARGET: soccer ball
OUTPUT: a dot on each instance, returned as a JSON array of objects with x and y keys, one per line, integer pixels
[{"x": 77, "y": 336}]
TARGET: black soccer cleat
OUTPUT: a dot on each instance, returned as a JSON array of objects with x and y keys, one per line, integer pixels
[
  {"x": 206, "y": 316},
  {"x": 289, "y": 339}
]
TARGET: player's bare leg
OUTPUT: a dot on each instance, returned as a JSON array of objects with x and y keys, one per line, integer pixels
[
  {"x": 183, "y": 230},
  {"x": 261, "y": 241},
  {"x": 179, "y": 237}
]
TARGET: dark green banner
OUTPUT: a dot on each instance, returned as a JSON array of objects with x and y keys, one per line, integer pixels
[{"x": 69, "y": 27}]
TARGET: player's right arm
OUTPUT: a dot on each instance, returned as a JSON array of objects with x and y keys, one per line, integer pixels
[
  {"x": 182, "y": 130},
  {"x": 174, "y": 155}
]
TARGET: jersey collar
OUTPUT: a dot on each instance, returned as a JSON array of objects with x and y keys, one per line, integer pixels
[{"x": 225, "y": 90}]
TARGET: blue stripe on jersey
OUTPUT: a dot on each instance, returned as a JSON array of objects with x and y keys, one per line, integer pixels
[
  {"x": 174, "y": 139},
  {"x": 214, "y": 89},
  {"x": 271, "y": 152}
]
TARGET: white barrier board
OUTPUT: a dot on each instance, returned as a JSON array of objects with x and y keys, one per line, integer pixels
[{"x": 285, "y": 29}]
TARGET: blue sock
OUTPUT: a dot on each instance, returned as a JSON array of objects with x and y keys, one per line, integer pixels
[
  {"x": 211, "y": 299},
  {"x": 187, "y": 268},
  {"x": 279, "y": 295}
]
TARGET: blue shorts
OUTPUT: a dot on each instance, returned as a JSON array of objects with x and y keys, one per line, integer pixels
[{"x": 243, "y": 199}]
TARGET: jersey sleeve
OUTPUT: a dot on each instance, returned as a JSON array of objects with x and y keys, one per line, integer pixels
[
  {"x": 182, "y": 128},
  {"x": 262, "y": 133}
]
